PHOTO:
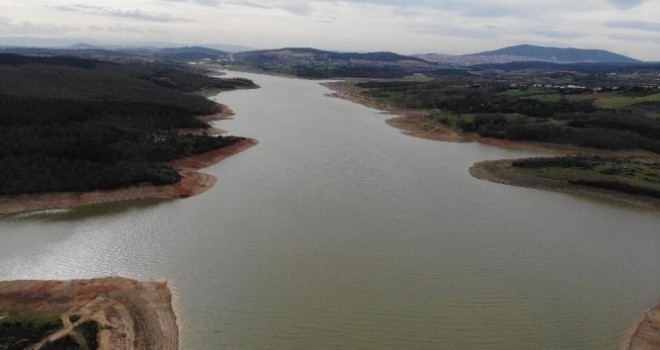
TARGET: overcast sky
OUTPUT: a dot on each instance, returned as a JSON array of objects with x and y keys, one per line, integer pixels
[{"x": 630, "y": 27}]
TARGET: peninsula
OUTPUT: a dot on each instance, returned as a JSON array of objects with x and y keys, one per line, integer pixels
[
  {"x": 80, "y": 131},
  {"x": 606, "y": 125},
  {"x": 104, "y": 314}
]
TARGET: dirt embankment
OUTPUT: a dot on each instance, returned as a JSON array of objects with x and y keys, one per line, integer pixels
[
  {"x": 646, "y": 335},
  {"x": 131, "y": 315},
  {"x": 192, "y": 182},
  {"x": 500, "y": 171}
]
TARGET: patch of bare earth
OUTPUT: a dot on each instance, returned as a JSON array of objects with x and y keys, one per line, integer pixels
[
  {"x": 646, "y": 335},
  {"x": 131, "y": 315}
]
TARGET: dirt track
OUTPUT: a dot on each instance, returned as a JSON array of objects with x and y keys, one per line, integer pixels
[{"x": 132, "y": 315}]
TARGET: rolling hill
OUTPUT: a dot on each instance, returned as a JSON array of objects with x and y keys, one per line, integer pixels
[{"x": 529, "y": 53}]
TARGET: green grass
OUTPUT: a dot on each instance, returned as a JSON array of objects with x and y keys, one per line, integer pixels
[
  {"x": 449, "y": 118},
  {"x": 640, "y": 175},
  {"x": 617, "y": 102},
  {"x": 388, "y": 99},
  {"x": 541, "y": 95}
]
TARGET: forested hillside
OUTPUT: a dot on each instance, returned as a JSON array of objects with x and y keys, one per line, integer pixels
[
  {"x": 70, "y": 124},
  {"x": 604, "y": 115}
]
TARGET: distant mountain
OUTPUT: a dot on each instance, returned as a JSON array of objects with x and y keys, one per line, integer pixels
[
  {"x": 191, "y": 53},
  {"x": 228, "y": 48},
  {"x": 172, "y": 54},
  {"x": 23, "y": 41},
  {"x": 310, "y": 55},
  {"x": 529, "y": 53},
  {"x": 83, "y": 46},
  {"x": 553, "y": 54},
  {"x": 315, "y": 63}
]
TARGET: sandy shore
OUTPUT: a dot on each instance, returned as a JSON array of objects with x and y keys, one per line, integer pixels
[
  {"x": 192, "y": 183},
  {"x": 499, "y": 171},
  {"x": 132, "y": 315},
  {"x": 646, "y": 335}
]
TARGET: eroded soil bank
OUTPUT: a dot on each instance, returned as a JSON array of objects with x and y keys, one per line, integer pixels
[
  {"x": 646, "y": 336},
  {"x": 131, "y": 315}
]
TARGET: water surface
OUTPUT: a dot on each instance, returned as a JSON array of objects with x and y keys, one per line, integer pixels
[{"x": 338, "y": 232}]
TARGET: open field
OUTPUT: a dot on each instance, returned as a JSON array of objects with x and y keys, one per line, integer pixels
[{"x": 617, "y": 102}]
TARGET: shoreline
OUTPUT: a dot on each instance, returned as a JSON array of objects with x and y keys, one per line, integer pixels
[
  {"x": 131, "y": 315},
  {"x": 412, "y": 123},
  {"x": 499, "y": 171},
  {"x": 645, "y": 334},
  {"x": 192, "y": 183}
]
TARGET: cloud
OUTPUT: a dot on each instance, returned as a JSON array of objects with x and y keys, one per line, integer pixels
[
  {"x": 468, "y": 8},
  {"x": 636, "y": 38},
  {"x": 110, "y": 12},
  {"x": 551, "y": 33},
  {"x": 638, "y": 25},
  {"x": 212, "y": 3},
  {"x": 626, "y": 4},
  {"x": 296, "y": 7},
  {"x": 487, "y": 32},
  {"x": 30, "y": 28},
  {"x": 292, "y": 6}
]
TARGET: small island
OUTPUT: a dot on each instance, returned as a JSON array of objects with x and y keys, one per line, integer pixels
[{"x": 77, "y": 131}]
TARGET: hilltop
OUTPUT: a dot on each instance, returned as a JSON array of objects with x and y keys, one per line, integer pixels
[
  {"x": 78, "y": 125},
  {"x": 314, "y": 63},
  {"x": 526, "y": 53}
]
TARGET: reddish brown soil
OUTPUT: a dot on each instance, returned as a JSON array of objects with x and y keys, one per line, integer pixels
[
  {"x": 132, "y": 315},
  {"x": 647, "y": 333},
  {"x": 207, "y": 159}
]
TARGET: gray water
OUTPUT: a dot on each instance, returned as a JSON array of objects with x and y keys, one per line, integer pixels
[{"x": 338, "y": 232}]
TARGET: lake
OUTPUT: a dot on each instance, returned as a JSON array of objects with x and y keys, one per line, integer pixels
[{"x": 339, "y": 232}]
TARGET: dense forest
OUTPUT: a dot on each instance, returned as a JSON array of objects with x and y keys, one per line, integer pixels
[
  {"x": 603, "y": 116},
  {"x": 71, "y": 124}
]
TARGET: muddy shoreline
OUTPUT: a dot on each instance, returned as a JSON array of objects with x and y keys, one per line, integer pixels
[
  {"x": 130, "y": 314},
  {"x": 412, "y": 122},
  {"x": 499, "y": 171}
]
